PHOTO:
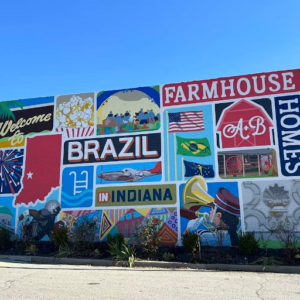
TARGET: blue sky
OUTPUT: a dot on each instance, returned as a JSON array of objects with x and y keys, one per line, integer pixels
[{"x": 54, "y": 47}]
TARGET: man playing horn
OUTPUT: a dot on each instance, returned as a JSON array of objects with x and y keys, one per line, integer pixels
[{"x": 224, "y": 216}]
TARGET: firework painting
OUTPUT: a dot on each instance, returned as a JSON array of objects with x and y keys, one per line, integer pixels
[{"x": 11, "y": 162}]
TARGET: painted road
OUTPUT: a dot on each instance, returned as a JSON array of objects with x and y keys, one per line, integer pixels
[{"x": 20, "y": 281}]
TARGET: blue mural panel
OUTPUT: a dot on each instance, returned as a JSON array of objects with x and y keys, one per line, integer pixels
[
  {"x": 42, "y": 218},
  {"x": 122, "y": 173},
  {"x": 189, "y": 143},
  {"x": 11, "y": 169},
  {"x": 288, "y": 131},
  {"x": 7, "y": 214},
  {"x": 211, "y": 210},
  {"x": 77, "y": 187}
]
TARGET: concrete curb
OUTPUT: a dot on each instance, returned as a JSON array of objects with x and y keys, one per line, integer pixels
[{"x": 151, "y": 264}]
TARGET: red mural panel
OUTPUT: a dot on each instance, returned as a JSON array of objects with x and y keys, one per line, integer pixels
[
  {"x": 197, "y": 92},
  {"x": 244, "y": 124},
  {"x": 42, "y": 168}
]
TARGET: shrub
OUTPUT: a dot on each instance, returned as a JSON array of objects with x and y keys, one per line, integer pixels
[
  {"x": 60, "y": 236},
  {"x": 285, "y": 233},
  {"x": 4, "y": 238},
  {"x": 191, "y": 243},
  {"x": 115, "y": 245},
  {"x": 84, "y": 231},
  {"x": 125, "y": 252},
  {"x": 248, "y": 244},
  {"x": 117, "y": 239},
  {"x": 168, "y": 256},
  {"x": 97, "y": 253},
  {"x": 26, "y": 233},
  {"x": 115, "y": 250},
  {"x": 31, "y": 250},
  {"x": 131, "y": 261},
  {"x": 146, "y": 236},
  {"x": 64, "y": 251},
  {"x": 128, "y": 253},
  {"x": 267, "y": 261}
]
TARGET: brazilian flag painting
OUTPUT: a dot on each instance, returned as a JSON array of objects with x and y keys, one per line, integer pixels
[{"x": 193, "y": 147}]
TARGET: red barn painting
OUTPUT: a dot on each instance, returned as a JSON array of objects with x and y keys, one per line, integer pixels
[{"x": 244, "y": 124}]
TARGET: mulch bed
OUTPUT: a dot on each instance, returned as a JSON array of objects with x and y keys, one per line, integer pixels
[{"x": 210, "y": 255}]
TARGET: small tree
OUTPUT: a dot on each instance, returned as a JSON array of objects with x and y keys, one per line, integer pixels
[
  {"x": 4, "y": 238},
  {"x": 191, "y": 243},
  {"x": 220, "y": 236},
  {"x": 60, "y": 236},
  {"x": 284, "y": 232},
  {"x": 84, "y": 230},
  {"x": 83, "y": 236},
  {"x": 26, "y": 232},
  {"x": 117, "y": 239},
  {"x": 146, "y": 235},
  {"x": 115, "y": 244},
  {"x": 248, "y": 244}
]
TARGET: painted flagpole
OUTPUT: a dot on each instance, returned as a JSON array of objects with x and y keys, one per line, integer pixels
[
  {"x": 167, "y": 133},
  {"x": 175, "y": 158},
  {"x": 182, "y": 159}
]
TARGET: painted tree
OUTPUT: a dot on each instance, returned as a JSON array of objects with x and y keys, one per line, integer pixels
[{"x": 5, "y": 109}]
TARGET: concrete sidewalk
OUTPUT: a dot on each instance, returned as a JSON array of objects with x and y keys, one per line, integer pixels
[
  {"x": 20, "y": 281},
  {"x": 151, "y": 264}
]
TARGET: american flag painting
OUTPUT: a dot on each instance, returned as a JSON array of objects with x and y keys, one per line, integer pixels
[{"x": 186, "y": 121}]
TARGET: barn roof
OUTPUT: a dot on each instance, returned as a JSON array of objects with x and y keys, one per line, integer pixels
[{"x": 238, "y": 108}]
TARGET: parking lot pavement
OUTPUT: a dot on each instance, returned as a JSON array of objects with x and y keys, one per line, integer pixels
[{"x": 20, "y": 281}]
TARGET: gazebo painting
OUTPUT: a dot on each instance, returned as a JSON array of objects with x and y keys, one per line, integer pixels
[
  {"x": 247, "y": 163},
  {"x": 130, "y": 110}
]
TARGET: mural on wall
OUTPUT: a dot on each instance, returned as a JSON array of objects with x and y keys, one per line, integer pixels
[
  {"x": 38, "y": 222},
  {"x": 22, "y": 118},
  {"x": 244, "y": 123},
  {"x": 112, "y": 149},
  {"x": 189, "y": 145},
  {"x": 74, "y": 116},
  {"x": 42, "y": 168},
  {"x": 247, "y": 163},
  {"x": 266, "y": 203},
  {"x": 126, "y": 111},
  {"x": 11, "y": 164},
  {"x": 215, "y": 157},
  {"x": 162, "y": 194},
  {"x": 288, "y": 131},
  {"x": 7, "y": 214},
  {"x": 141, "y": 172},
  {"x": 126, "y": 221},
  {"x": 77, "y": 187},
  {"x": 211, "y": 210}
]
